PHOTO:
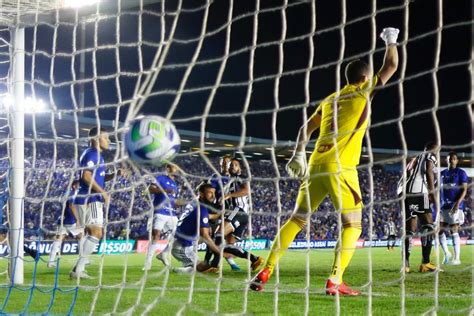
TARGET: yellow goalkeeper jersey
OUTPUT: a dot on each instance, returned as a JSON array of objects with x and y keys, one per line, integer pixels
[{"x": 351, "y": 110}]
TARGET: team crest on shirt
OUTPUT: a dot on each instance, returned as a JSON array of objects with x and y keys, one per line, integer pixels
[{"x": 324, "y": 147}]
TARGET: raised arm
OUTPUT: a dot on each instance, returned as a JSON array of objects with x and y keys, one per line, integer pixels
[
  {"x": 305, "y": 132},
  {"x": 204, "y": 232},
  {"x": 243, "y": 191},
  {"x": 430, "y": 179},
  {"x": 390, "y": 61},
  {"x": 154, "y": 189}
]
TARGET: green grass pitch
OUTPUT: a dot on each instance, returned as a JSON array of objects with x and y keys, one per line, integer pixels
[{"x": 122, "y": 288}]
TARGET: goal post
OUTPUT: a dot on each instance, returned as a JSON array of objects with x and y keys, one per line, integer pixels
[
  {"x": 18, "y": 14},
  {"x": 17, "y": 183}
]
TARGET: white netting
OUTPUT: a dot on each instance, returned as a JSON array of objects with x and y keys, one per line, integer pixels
[{"x": 236, "y": 77}]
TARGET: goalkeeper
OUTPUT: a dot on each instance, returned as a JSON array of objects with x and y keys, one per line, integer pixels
[{"x": 342, "y": 119}]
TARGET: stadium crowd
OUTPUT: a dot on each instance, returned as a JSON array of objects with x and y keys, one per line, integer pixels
[{"x": 272, "y": 197}]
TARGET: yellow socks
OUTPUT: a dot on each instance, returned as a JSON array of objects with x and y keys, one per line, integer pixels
[
  {"x": 343, "y": 254},
  {"x": 286, "y": 235}
]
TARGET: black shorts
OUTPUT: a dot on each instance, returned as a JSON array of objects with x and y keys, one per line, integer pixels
[
  {"x": 239, "y": 220},
  {"x": 416, "y": 205}
]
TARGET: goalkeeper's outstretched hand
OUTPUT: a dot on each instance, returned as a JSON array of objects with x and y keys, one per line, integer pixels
[
  {"x": 297, "y": 166},
  {"x": 390, "y": 35}
]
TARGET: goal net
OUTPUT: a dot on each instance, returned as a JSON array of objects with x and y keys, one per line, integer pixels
[{"x": 236, "y": 78}]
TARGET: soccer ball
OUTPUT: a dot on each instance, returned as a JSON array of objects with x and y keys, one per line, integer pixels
[{"x": 152, "y": 140}]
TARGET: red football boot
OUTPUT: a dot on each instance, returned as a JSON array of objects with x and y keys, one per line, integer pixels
[
  {"x": 259, "y": 281},
  {"x": 342, "y": 289}
]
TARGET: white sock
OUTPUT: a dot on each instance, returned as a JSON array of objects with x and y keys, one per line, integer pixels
[
  {"x": 184, "y": 270},
  {"x": 444, "y": 244},
  {"x": 152, "y": 247},
  {"x": 231, "y": 261},
  {"x": 165, "y": 253},
  {"x": 55, "y": 249},
  {"x": 80, "y": 244},
  {"x": 457, "y": 246},
  {"x": 88, "y": 248}
]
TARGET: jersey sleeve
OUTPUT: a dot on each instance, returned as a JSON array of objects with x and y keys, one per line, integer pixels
[
  {"x": 90, "y": 160},
  {"x": 72, "y": 198},
  {"x": 463, "y": 177},
  {"x": 368, "y": 88},
  {"x": 204, "y": 222},
  {"x": 432, "y": 157},
  {"x": 319, "y": 111},
  {"x": 214, "y": 181},
  {"x": 161, "y": 182}
]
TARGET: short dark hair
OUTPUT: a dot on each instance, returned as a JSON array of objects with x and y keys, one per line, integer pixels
[
  {"x": 430, "y": 145},
  {"x": 355, "y": 70},
  {"x": 203, "y": 186},
  {"x": 95, "y": 131},
  {"x": 453, "y": 153}
]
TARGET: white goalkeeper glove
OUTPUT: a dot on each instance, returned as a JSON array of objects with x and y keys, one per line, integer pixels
[
  {"x": 297, "y": 166},
  {"x": 390, "y": 35}
]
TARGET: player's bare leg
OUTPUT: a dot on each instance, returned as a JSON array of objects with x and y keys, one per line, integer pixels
[
  {"x": 410, "y": 229},
  {"x": 427, "y": 233},
  {"x": 241, "y": 253},
  {"x": 232, "y": 249},
  {"x": 230, "y": 259}
]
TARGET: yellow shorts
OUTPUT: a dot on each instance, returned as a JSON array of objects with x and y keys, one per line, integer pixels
[{"x": 343, "y": 189}]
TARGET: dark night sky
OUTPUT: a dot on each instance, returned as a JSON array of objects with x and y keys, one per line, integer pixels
[{"x": 454, "y": 81}]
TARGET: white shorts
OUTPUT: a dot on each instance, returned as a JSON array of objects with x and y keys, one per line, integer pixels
[
  {"x": 456, "y": 218},
  {"x": 73, "y": 230},
  {"x": 186, "y": 255},
  {"x": 165, "y": 223},
  {"x": 90, "y": 214}
]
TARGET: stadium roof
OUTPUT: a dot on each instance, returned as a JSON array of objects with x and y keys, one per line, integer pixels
[{"x": 214, "y": 144}]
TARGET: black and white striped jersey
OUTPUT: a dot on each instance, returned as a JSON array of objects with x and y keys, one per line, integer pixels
[
  {"x": 416, "y": 181},
  {"x": 390, "y": 228},
  {"x": 235, "y": 184}
]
